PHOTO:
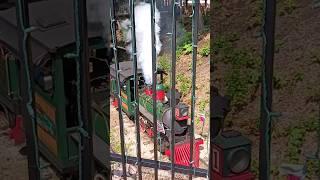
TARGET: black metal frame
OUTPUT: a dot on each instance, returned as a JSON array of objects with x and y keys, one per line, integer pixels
[{"x": 85, "y": 127}]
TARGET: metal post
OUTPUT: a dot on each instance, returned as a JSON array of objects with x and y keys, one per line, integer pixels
[
  {"x": 114, "y": 42},
  {"x": 136, "y": 96},
  {"x": 81, "y": 28},
  {"x": 154, "y": 86},
  {"x": 26, "y": 89},
  {"x": 195, "y": 18},
  {"x": 266, "y": 95},
  {"x": 173, "y": 85},
  {"x": 210, "y": 174}
]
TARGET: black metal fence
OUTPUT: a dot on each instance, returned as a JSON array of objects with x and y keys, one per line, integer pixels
[
  {"x": 155, "y": 163},
  {"x": 34, "y": 169}
]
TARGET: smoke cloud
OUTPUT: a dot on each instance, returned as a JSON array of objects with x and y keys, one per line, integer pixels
[{"x": 143, "y": 37}]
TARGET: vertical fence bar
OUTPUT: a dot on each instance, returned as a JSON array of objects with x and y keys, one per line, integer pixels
[
  {"x": 173, "y": 86},
  {"x": 154, "y": 86},
  {"x": 266, "y": 95},
  {"x": 114, "y": 42},
  {"x": 28, "y": 112},
  {"x": 87, "y": 163},
  {"x": 136, "y": 96},
  {"x": 195, "y": 18}
]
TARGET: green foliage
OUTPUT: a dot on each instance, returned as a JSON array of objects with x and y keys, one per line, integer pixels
[
  {"x": 287, "y": 7},
  {"x": 205, "y": 50},
  {"x": 278, "y": 45},
  {"x": 296, "y": 78},
  {"x": 297, "y": 136},
  {"x": 184, "y": 45},
  {"x": 203, "y": 104},
  {"x": 216, "y": 4},
  {"x": 278, "y": 83},
  {"x": 164, "y": 63},
  {"x": 243, "y": 75},
  {"x": 187, "y": 49},
  {"x": 313, "y": 168},
  {"x": 184, "y": 84},
  {"x": 221, "y": 45},
  {"x": 185, "y": 39},
  {"x": 257, "y": 16}
]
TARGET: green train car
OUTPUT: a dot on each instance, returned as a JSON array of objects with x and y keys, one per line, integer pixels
[{"x": 55, "y": 78}]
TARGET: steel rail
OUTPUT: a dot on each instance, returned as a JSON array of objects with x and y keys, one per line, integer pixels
[
  {"x": 154, "y": 86},
  {"x": 114, "y": 42},
  {"x": 136, "y": 96}
]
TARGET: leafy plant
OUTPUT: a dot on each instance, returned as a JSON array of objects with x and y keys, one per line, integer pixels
[
  {"x": 184, "y": 84},
  {"x": 297, "y": 136},
  {"x": 185, "y": 39},
  {"x": 287, "y": 7},
  {"x": 278, "y": 83},
  {"x": 257, "y": 16},
  {"x": 205, "y": 50},
  {"x": 164, "y": 63},
  {"x": 203, "y": 104},
  {"x": 243, "y": 75}
]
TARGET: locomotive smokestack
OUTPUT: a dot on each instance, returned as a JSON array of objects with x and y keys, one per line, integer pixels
[{"x": 143, "y": 37}]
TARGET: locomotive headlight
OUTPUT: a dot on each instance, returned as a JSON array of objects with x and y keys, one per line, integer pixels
[{"x": 239, "y": 160}]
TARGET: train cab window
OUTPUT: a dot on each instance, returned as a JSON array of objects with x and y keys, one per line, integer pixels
[{"x": 44, "y": 76}]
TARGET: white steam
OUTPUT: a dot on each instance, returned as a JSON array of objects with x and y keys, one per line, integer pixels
[{"x": 143, "y": 37}]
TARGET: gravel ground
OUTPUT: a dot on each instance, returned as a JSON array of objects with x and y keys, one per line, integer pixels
[{"x": 14, "y": 166}]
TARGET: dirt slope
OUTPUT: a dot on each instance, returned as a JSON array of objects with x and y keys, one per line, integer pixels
[{"x": 296, "y": 71}]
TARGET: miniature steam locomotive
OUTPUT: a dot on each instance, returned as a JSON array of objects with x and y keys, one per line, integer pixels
[{"x": 146, "y": 105}]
